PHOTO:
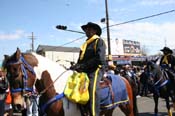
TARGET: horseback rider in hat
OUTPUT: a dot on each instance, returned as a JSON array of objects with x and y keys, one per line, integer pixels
[
  {"x": 92, "y": 60},
  {"x": 168, "y": 60}
]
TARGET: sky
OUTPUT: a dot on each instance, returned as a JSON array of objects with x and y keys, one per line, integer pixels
[{"x": 19, "y": 18}]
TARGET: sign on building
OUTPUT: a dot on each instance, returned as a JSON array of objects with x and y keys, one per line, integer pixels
[{"x": 131, "y": 47}]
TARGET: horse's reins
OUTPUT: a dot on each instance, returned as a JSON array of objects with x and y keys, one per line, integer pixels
[
  {"x": 162, "y": 84},
  {"x": 40, "y": 94}
]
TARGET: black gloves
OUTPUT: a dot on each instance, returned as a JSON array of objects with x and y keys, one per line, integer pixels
[{"x": 77, "y": 67}]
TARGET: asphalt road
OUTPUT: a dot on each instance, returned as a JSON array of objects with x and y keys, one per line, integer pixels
[{"x": 146, "y": 107}]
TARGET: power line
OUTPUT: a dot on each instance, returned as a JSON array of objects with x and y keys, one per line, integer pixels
[
  {"x": 73, "y": 41},
  {"x": 130, "y": 21},
  {"x": 138, "y": 19}
]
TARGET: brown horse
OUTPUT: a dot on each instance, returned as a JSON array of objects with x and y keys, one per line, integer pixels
[
  {"x": 46, "y": 80},
  {"x": 42, "y": 68},
  {"x": 21, "y": 79}
]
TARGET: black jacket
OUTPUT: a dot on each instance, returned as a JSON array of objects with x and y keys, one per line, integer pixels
[
  {"x": 171, "y": 60},
  {"x": 93, "y": 57}
]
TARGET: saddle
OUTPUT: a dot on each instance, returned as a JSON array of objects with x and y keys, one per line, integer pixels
[{"x": 107, "y": 83}]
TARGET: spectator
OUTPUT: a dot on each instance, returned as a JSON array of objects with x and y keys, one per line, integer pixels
[{"x": 3, "y": 88}]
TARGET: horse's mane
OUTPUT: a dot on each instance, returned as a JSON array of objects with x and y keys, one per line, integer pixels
[{"x": 48, "y": 63}]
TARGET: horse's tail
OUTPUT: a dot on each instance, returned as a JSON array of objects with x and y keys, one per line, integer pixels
[{"x": 132, "y": 97}]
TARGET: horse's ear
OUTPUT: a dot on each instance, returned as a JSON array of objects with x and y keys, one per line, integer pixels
[
  {"x": 6, "y": 57},
  {"x": 18, "y": 54}
]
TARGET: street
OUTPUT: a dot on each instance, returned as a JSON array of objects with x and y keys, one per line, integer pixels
[{"x": 146, "y": 107}]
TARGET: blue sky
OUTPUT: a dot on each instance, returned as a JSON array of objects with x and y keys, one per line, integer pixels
[{"x": 19, "y": 18}]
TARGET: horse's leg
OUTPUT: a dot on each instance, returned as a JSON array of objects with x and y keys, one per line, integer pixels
[
  {"x": 173, "y": 103},
  {"x": 156, "y": 99},
  {"x": 107, "y": 112},
  {"x": 126, "y": 109},
  {"x": 173, "y": 100},
  {"x": 130, "y": 109},
  {"x": 84, "y": 109},
  {"x": 134, "y": 91},
  {"x": 172, "y": 95},
  {"x": 24, "y": 112},
  {"x": 168, "y": 106}
]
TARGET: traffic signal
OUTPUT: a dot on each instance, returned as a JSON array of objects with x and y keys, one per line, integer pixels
[{"x": 61, "y": 27}]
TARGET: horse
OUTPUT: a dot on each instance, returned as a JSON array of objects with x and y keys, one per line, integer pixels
[
  {"x": 36, "y": 67},
  {"x": 21, "y": 78},
  {"x": 162, "y": 85}
]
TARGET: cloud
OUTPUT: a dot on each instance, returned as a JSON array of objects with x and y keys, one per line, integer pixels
[
  {"x": 12, "y": 36},
  {"x": 153, "y": 36},
  {"x": 157, "y": 2}
]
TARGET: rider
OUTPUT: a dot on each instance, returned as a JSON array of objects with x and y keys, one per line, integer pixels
[
  {"x": 168, "y": 60},
  {"x": 92, "y": 61}
]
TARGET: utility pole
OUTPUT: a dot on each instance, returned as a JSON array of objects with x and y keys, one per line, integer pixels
[
  {"x": 110, "y": 61},
  {"x": 107, "y": 26},
  {"x": 165, "y": 42},
  {"x": 32, "y": 45}
]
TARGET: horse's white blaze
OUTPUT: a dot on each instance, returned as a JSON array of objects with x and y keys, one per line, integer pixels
[{"x": 60, "y": 74}]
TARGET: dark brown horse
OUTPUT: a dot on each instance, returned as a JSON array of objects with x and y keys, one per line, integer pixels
[
  {"x": 162, "y": 85},
  {"x": 42, "y": 68}
]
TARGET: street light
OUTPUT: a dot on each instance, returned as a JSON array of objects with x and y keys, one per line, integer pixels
[{"x": 64, "y": 28}]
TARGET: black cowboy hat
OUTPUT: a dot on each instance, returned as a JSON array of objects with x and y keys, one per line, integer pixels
[
  {"x": 167, "y": 50},
  {"x": 94, "y": 26}
]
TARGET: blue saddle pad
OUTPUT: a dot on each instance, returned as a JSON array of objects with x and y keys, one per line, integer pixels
[{"x": 120, "y": 93}]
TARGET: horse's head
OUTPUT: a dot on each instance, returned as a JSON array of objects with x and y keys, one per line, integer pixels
[
  {"x": 157, "y": 76},
  {"x": 21, "y": 77}
]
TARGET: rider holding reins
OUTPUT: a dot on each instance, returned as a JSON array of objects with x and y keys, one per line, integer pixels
[{"x": 168, "y": 60}]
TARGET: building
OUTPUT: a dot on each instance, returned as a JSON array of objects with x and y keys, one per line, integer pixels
[
  {"x": 126, "y": 52},
  {"x": 122, "y": 51},
  {"x": 62, "y": 55}
]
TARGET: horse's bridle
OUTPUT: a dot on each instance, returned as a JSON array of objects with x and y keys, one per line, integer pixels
[{"x": 24, "y": 67}]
